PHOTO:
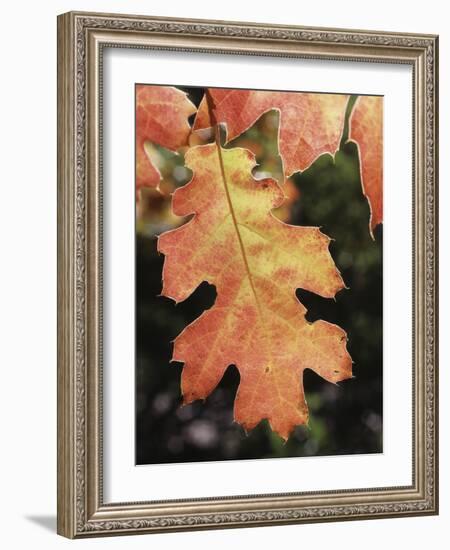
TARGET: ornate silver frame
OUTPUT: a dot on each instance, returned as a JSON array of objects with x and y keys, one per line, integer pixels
[{"x": 81, "y": 510}]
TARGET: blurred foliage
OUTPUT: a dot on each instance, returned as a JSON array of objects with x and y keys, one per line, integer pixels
[{"x": 344, "y": 418}]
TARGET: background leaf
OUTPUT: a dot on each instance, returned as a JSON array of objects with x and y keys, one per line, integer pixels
[
  {"x": 366, "y": 130},
  {"x": 162, "y": 114},
  {"x": 310, "y": 123}
]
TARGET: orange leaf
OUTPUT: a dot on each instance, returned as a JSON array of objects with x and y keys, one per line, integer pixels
[
  {"x": 366, "y": 130},
  {"x": 256, "y": 263},
  {"x": 310, "y": 123},
  {"x": 161, "y": 117}
]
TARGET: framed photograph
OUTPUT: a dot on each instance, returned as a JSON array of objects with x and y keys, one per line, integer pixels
[{"x": 247, "y": 274}]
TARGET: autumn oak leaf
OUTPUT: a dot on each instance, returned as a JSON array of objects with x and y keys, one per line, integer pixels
[
  {"x": 162, "y": 114},
  {"x": 366, "y": 130},
  {"x": 256, "y": 263},
  {"x": 311, "y": 124}
]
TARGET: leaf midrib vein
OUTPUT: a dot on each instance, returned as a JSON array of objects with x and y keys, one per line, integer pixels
[{"x": 236, "y": 226}]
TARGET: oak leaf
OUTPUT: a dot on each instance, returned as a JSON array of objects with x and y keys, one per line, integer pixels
[
  {"x": 366, "y": 130},
  {"x": 310, "y": 123},
  {"x": 162, "y": 114},
  {"x": 256, "y": 263}
]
